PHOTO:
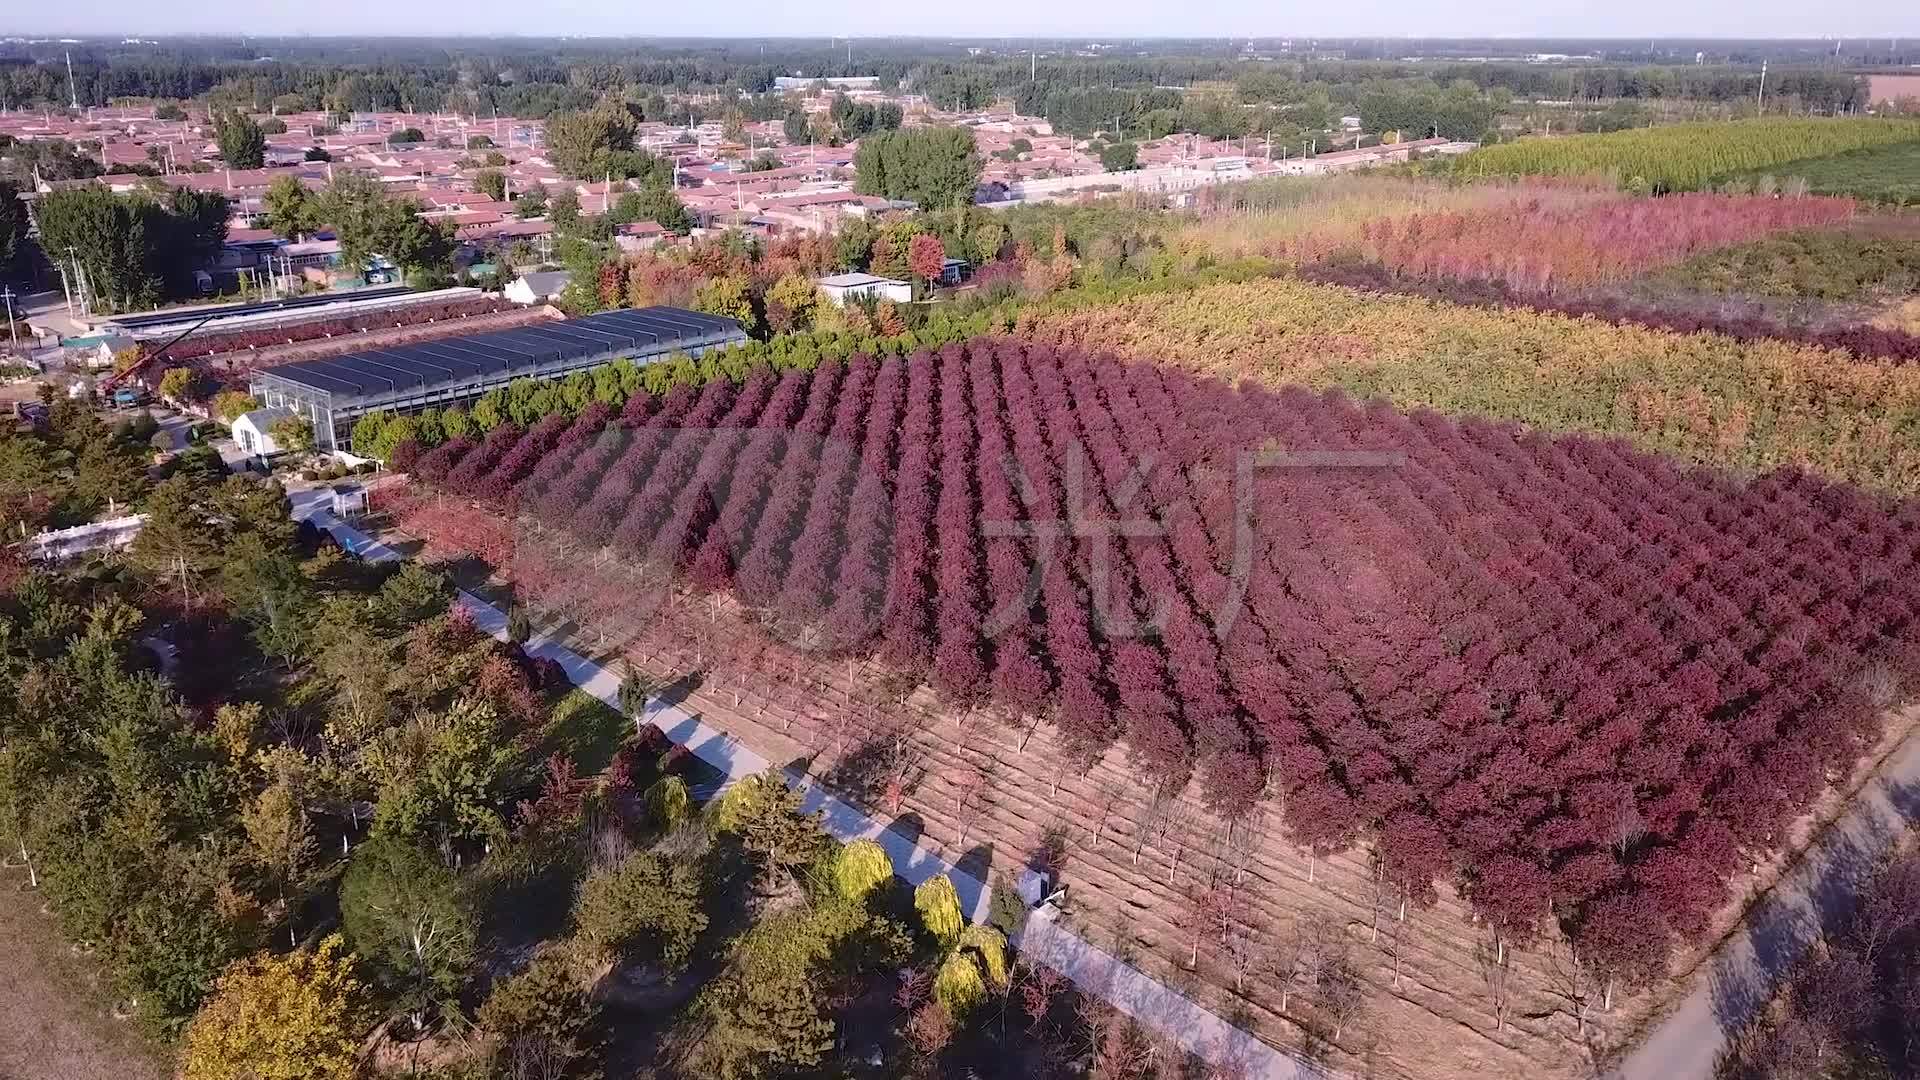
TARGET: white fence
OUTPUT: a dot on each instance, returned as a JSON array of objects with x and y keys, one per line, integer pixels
[{"x": 57, "y": 544}]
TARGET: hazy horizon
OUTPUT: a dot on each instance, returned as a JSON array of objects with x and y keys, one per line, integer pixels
[{"x": 1390, "y": 19}]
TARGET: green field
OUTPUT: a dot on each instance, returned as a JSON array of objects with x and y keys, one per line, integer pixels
[
  {"x": 1882, "y": 174},
  {"x": 1874, "y": 259},
  {"x": 1691, "y": 157}
]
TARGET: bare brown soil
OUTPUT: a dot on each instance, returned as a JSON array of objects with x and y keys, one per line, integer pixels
[{"x": 54, "y": 1021}]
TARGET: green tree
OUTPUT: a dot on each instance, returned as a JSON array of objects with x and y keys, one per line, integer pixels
[
  {"x": 405, "y": 136},
  {"x": 294, "y": 1017},
  {"x": 30, "y": 490},
  {"x": 107, "y": 235},
  {"x": 290, "y": 209},
  {"x": 108, "y": 473},
  {"x": 585, "y": 145},
  {"x": 531, "y": 203},
  {"x": 231, "y": 405},
  {"x": 647, "y": 907},
  {"x": 935, "y": 167},
  {"x": 796, "y": 128},
  {"x": 447, "y": 778},
  {"x": 169, "y": 110},
  {"x": 657, "y": 203},
  {"x": 368, "y": 223},
  {"x": 541, "y": 1014},
  {"x": 668, "y": 802},
  {"x": 177, "y": 548},
  {"x": 273, "y": 125},
  {"x": 168, "y": 952},
  {"x": 762, "y": 1014},
  {"x": 13, "y": 225},
  {"x": 404, "y": 912},
  {"x": 637, "y": 687},
  {"x": 280, "y": 841},
  {"x": 765, "y": 813},
  {"x": 492, "y": 183},
  {"x": 292, "y": 433},
  {"x": 179, "y": 384},
  {"x": 1119, "y": 157},
  {"x": 729, "y": 296},
  {"x": 264, "y": 586},
  {"x": 563, "y": 210},
  {"x": 242, "y": 144}
]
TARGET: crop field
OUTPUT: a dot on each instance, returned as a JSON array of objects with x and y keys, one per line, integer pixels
[
  {"x": 1873, "y": 259},
  {"x": 1883, "y": 174},
  {"x": 1305, "y": 219},
  {"x": 1863, "y": 331},
  {"x": 1687, "y": 263},
  {"x": 1586, "y": 720},
  {"x": 1689, "y": 157},
  {"x": 1543, "y": 250},
  {"x": 1703, "y": 398},
  {"x": 1702, "y": 624}
]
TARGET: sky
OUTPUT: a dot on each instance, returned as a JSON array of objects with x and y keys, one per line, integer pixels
[{"x": 1092, "y": 18}]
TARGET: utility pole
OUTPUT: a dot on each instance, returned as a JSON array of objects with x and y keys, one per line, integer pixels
[
  {"x": 79, "y": 279},
  {"x": 13, "y": 328},
  {"x": 73, "y": 93}
]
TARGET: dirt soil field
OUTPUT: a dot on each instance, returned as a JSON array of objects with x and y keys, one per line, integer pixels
[
  {"x": 1442, "y": 1002},
  {"x": 54, "y": 1024}
]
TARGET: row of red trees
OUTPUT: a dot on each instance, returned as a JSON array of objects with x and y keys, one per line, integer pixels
[
  {"x": 1578, "y": 681},
  {"x": 410, "y": 315}
]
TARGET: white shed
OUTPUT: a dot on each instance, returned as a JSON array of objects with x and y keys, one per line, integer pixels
[
  {"x": 538, "y": 288},
  {"x": 843, "y": 287},
  {"x": 254, "y": 431}
]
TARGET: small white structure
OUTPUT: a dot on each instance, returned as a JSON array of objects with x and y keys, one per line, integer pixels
[
  {"x": 843, "y": 287},
  {"x": 254, "y": 432},
  {"x": 60, "y": 544},
  {"x": 538, "y": 288},
  {"x": 101, "y": 356},
  {"x": 349, "y": 501}
]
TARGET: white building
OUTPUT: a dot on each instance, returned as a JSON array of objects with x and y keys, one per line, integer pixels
[
  {"x": 254, "y": 432},
  {"x": 538, "y": 288},
  {"x": 837, "y": 82},
  {"x": 843, "y": 287}
]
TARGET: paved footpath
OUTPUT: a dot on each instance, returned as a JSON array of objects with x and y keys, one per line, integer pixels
[
  {"x": 1154, "y": 1004},
  {"x": 1817, "y": 893}
]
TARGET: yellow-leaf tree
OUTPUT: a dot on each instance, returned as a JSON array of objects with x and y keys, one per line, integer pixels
[{"x": 296, "y": 1017}]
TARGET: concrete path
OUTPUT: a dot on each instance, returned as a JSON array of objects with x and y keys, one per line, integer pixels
[
  {"x": 1815, "y": 895},
  {"x": 1155, "y": 1005}
]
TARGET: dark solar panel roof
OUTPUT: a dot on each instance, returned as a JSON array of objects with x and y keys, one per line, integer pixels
[{"x": 503, "y": 354}]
